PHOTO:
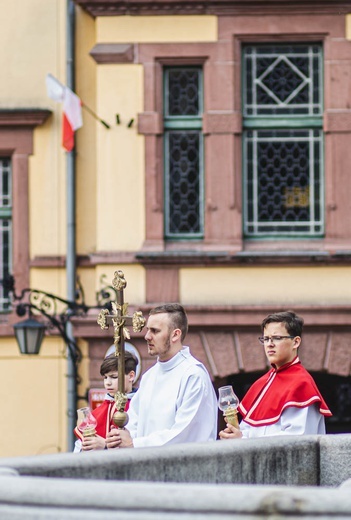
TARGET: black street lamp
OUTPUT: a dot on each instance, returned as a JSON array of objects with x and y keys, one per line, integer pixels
[{"x": 29, "y": 335}]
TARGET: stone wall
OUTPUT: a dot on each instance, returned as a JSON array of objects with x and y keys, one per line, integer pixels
[{"x": 298, "y": 476}]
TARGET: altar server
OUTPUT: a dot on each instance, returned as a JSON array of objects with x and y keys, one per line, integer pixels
[
  {"x": 286, "y": 400},
  {"x": 105, "y": 411}
]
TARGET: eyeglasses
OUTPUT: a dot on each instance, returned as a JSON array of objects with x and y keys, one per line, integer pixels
[{"x": 273, "y": 339}]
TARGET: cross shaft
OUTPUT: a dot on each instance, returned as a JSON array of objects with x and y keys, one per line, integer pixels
[{"x": 120, "y": 320}]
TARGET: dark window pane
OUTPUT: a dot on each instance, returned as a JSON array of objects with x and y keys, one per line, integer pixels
[
  {"x": 5, "y": 228},
  {"x": 183, "y": 88},
  {"x": 283, "y": 194},
  {"x": 183, "y": 152},
  {"x": 183, "y": 214},
  {"x": 282, "y": 80}
]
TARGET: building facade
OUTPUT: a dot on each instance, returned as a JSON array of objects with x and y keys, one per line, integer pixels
[{"x": 222, "y": 181}]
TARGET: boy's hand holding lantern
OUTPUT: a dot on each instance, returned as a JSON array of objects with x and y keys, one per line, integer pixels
[
  {"x": 86, "y": 422},
  {"x": 228, "y": 402}
]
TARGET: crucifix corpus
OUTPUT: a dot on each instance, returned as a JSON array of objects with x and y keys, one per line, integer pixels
[{"x": 120, "y": 320}]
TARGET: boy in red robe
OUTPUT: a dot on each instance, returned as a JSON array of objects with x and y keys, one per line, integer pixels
[
  {"x": 286, "y": 400},
  {"x": 104, "y": 413}
]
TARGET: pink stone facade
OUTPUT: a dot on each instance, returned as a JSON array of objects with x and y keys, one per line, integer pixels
[{"x": 223, "y": 338}]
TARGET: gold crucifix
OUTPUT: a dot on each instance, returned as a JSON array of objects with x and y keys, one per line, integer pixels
[{"x": 120, "y": 320}]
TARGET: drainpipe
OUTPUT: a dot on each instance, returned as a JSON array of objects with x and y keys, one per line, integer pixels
[{"x": 71, "y": 233}]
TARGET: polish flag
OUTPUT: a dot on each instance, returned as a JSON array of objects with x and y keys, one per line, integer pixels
[{"x": 72, "y": 109}]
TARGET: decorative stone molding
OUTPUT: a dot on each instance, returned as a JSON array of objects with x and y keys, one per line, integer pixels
[
  {"x": 30, "y": 117},
  {"x": 216, "y": 123},
  {"x": 112, "y": 53},
  {"x": 337, "y": 122},
  {"x": 213, "y": 7},
  {"x": 150, "y": 123}
]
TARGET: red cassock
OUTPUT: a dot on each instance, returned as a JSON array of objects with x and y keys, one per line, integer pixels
[
  {"x": 103, "y": 415},
  {"x": 288, "y": 386}
]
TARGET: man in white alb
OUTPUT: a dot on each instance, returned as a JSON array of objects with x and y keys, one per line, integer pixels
[{"x": 176, "y": 402}]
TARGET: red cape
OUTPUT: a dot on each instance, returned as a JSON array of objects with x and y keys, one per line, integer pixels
[{"x": 288, "y": 386}]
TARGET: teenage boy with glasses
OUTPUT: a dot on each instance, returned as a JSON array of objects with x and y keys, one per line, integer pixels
[{"x": 286, "y": 400}]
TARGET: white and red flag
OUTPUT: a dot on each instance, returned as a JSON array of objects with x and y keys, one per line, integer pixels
[{"x": 72, "y": 109}]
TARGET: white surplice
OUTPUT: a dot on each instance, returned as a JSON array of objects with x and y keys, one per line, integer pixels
[
  {"x": 175, "y": 403},
  {"x": 293, "y": 421}
]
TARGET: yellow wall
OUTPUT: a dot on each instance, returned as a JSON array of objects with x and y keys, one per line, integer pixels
[
  {"x": 135, "y": 276},
  {"x": 120, "y": 164},
  {"x": 47, "y": 192},
  {"x": 35, "y": 29},
  {"x": 49, "y": 280},
  {"x": 86, "y": 136},
  {"x": 33, "y": 44},
  {"x": 348, "y": 26},
  {"x": 264, "y": 285},
  {"x": 34, "y": 398},
  {"x": 96, "y": 278},
  {"x": 165, "y": 29}
]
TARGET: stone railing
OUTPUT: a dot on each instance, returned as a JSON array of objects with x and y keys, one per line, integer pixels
[{"x": 299, "y": 476}]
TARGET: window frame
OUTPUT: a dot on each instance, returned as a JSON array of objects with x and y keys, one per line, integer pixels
[
  {"x": 292, "y": 122},
  {"x": 182, "y": 124},
  {"x": 6, "y": 215},
  {"x": 16, "y": 142}
]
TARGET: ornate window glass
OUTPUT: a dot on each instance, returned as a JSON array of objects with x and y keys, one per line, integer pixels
[
  {"x": 283, "y": 140},
  {"x": 183, "y": 151},
  {"x": 5, "y": 227}
]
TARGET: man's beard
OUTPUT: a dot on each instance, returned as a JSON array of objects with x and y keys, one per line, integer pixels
[{"x": 166, "y": 348}]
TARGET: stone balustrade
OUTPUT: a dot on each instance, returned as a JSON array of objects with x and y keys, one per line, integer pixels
[{"x": 307, "y": 477}]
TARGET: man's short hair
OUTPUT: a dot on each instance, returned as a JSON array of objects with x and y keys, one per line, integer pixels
[
  {"x": 177, "y": 316},
  {"x": 110, "y": 363},
  {"x": 293, "y": 323}
]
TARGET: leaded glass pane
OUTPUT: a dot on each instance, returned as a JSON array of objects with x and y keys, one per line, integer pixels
[
  {"x": 5, "y": 227},
  {"x": 283, "y": 183},
  {"x": 182, "y": 92},
  {"x": 183, "y": 152},
  {"x": 5, "y": 183},
  {"x": 183, "y": 215},
  {"x": 282, "y": 80}
]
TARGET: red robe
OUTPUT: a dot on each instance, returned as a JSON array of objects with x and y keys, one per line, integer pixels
[
  {"x": 103, "y": 415},
  {"x": 288, "y": 386}
]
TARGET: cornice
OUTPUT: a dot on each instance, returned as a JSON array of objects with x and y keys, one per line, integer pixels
[
  {"x": 227, "y": 317},
  {"x": 184, "y": 258},
  {"x": 29, "y": 117},
  {"x": 214, "y": 7},
  {"x": 216, "y": 258}
]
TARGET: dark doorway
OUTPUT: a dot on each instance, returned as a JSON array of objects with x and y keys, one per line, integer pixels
[{"x": 336, "y": 391}]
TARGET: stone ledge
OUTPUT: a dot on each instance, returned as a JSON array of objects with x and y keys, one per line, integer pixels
[
  {"x": 191, "y": 481},
  {"x": 273, "y": 460},
  {"x": 112, "y": 53},
  {"x": 40, "y": 498},
  {"x": 28, "y": 117}
]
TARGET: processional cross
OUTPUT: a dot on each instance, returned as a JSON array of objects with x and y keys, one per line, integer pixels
[{"x": 120, "y": 320}]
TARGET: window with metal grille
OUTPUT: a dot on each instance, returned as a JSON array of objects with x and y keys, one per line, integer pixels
[
  {"x": 183, "y": 150},
  {"x": 283, "y": 140},
  {"x": 5, "y": 227}
]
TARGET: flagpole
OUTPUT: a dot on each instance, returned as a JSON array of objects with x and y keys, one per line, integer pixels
[{"x": 106, "y": 125}]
